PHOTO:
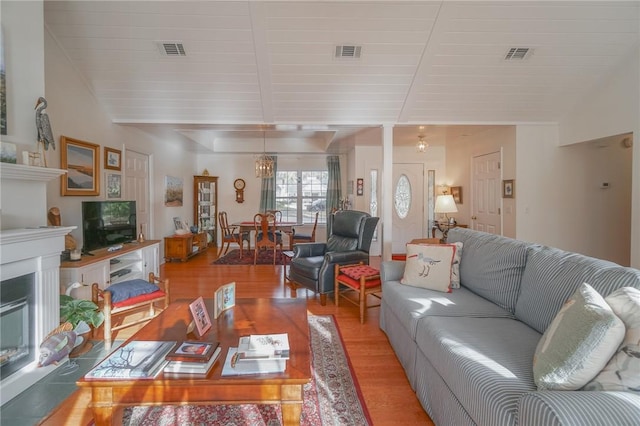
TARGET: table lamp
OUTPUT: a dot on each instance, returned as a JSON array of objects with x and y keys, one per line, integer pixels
[{"x": 445, "y": 204}]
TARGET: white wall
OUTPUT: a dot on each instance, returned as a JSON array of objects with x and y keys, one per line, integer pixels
[
  {"x": 559, "y": 199},
  {"x": 74, "y": 112},
  {"x": 612, "y": 108},
  {"x": 22, "y": 32}
]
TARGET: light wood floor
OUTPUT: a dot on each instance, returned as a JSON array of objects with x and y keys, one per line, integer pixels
[{"x": 389, "y": 398}]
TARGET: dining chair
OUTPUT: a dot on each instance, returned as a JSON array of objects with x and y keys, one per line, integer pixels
[
  {"x": 266, "y": 236},
  {"x": 278, "y": 216},
  {"x": 229, "y": 234},
  {"x": 305, "y": 238}
]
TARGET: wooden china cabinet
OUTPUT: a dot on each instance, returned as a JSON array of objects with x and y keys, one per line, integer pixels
[{"x": 205, "y": 206}]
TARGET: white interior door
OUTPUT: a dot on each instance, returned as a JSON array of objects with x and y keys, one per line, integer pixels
[
  {"x": 486, "y": 193},
  {"x": 137, "y": 188},
  {"x": 408, "y": 200}
]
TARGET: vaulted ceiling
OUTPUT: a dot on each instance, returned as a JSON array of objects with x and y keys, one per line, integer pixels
[{"x": 250, "y": 66}]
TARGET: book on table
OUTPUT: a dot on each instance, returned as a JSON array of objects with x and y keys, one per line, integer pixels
[
  {"x": 263, "y": 346},
  {"x": 192, "y": 351},
  {"x": 138, "y": 359},
  {"x": 232, "y": 367},
  {"x": 193, "y": 367}
]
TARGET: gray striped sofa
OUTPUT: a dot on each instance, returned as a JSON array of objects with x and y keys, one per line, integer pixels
[{"x": 469, "y": 354}]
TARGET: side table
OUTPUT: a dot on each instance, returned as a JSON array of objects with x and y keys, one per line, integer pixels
[
  {"x": 287, "y": 255},
  {"x": 360, "y": 278}
]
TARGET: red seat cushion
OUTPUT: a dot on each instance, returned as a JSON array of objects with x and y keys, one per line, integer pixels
[
  {"x": 351, "y": 276},
  {"x": 139, "y": 299},
  {"x": 356, "y": 272}
]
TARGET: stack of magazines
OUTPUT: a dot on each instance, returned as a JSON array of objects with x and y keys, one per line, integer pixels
[
  {"x": 258, "y": 354},
  {"x": 138, "y": 359},
  {"x": 192, "y": 357}
]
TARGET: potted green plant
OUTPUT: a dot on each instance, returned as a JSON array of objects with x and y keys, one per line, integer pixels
[
  {"x": 77, "y": 310},
  {"x": 83, "y": 315}
]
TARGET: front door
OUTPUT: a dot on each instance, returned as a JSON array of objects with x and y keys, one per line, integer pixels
[
  {"x": 409, "y": 206},
  {"x": 486, "y": 193}
]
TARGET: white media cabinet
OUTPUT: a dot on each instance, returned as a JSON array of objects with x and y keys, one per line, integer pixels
[{"x": 133, "y": 260}]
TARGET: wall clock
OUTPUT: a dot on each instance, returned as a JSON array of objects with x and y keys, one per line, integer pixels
[{"x": 239, "y": 185}]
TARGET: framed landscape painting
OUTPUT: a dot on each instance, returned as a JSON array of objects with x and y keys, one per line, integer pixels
[{"x": 81, "y": 160}]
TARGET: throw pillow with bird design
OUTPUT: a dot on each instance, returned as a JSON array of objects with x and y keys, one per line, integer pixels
[{"x": 429, "y": 266}]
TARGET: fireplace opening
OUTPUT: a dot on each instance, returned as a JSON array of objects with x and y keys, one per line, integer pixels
[{"x": 17, "y": 333}]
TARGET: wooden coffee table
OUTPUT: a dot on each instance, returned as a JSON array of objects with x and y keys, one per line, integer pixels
[{"x": 249, "y": 316}]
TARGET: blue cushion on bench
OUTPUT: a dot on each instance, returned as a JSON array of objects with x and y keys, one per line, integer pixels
[{"x": 132, "y": 288}]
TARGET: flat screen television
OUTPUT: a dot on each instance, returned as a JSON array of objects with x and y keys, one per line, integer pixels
[{"x": 107, "y": 223}]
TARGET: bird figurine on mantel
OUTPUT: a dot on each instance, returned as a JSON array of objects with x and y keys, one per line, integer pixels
[{"x": 45, "y": 134}]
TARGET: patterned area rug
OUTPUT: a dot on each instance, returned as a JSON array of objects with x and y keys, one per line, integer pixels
[
  {"x": 331, "y": 398},
  {"x": 265, "y": 257}
]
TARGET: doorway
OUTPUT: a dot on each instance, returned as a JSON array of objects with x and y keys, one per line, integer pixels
[
  {"x": 486, "y": 197},
  {"x": 137, "y": 188},
  {"x": 409, "y": 206}
]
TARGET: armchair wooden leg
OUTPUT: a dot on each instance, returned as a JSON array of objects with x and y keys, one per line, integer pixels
[{"x": 323, "y": 299}]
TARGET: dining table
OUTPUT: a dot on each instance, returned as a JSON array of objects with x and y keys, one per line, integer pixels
[{"x": 248, "y": 226}]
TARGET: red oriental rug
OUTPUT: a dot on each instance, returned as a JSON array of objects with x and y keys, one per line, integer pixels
[
  {"x": 332, "y": 397},
  {"x": 265, "y": 257}
]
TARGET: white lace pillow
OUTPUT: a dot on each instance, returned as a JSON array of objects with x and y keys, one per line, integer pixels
[
  {"x": 429, "y": 266},
  {"x": 622, "y": 373},
  {"x": 578, "y": 343}
]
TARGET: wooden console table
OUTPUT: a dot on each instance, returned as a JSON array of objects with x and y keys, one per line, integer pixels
[
  {"x": 133, "y": 260},
  {"x": 182, "y": 247}
]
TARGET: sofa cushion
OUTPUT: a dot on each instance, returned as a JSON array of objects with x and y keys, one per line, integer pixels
[
  {"x": 622, "y": 372},
  {"x": 486, "y": 362},
  {"x": 491, "y": 265},
  {"x": 409, "y": 304},
  {"x": 552, "y": 275},
  {"x": 429, "y": 266},
  {"x": 579, "y": 342}
]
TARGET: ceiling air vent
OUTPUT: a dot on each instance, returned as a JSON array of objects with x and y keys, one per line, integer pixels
[
  {"x": 171, "y": 48},
  {"x": 518, "y": 54},
  {"x": 348, "y": 52}
]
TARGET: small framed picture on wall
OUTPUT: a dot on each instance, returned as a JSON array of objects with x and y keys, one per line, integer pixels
[
  {"x": 508, "y": 188},
  {"x": 112, "y": 159},
  {"x": 113, "y": 185}
]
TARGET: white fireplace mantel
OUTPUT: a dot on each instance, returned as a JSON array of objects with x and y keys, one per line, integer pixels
[
  {"x": 23, "y": 199},
  {"x": 27, "y": 246},
  {"x": 24, "y": 172}
]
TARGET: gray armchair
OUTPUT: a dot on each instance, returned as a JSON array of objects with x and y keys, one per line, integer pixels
[{"x": 350, "y": 235}]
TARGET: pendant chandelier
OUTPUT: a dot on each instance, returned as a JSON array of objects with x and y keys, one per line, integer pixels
[
  {"x": 264, "y": 163},
  {"x": 421, "y": 145}
]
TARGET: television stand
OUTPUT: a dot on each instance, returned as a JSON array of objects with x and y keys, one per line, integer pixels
[{"x": 106, "y": 267}]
